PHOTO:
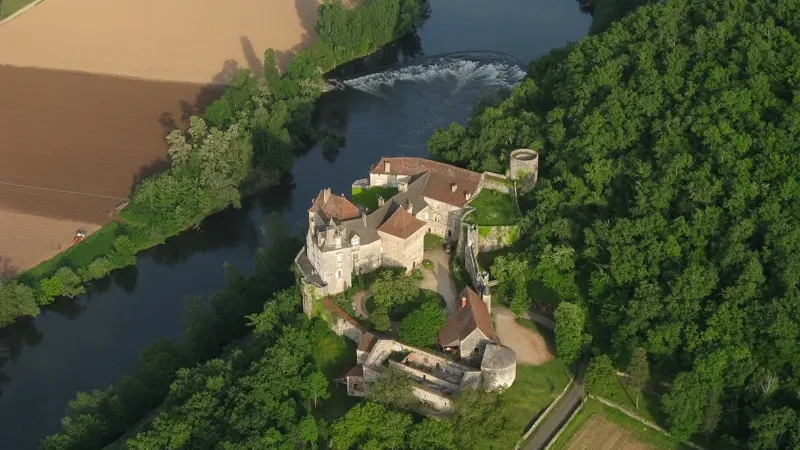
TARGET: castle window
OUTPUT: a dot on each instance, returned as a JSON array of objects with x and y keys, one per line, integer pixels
[
  {"x": 338, "y": 274},
  {"x": 355, "y": 241}
]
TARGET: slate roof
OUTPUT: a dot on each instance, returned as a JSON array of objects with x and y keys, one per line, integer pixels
[
  {"x": 442, "y": 177},
  {"x": 367, "y": 342},
  {"x": 475, "y": 315},
  {"x": 401, "y": 224},
  {"x": 337, "y": 207}
]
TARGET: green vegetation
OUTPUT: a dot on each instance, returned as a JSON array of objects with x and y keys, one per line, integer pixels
[
  {"x": 571, "y": 339},
  {"x": 245, "y": 140},
  {"x": 9, "y": 7},
  {"x": 427, "y": 264},
  {"x": 533, "y": 390},
  {"x": 492, "y": 208},
  {"x": 665, "y": 204},
  {"x": 624, "y": 395},
  {"x": 368, "y": 197},
  {"x": 420, "y": 327},
  {"x": 641, "y": 432},
  {"x": 607, "y": 12},
  {"x": 432, "y": 242}
]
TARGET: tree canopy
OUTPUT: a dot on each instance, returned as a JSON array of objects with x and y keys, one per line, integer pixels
[{"x": 667, "y": 202}]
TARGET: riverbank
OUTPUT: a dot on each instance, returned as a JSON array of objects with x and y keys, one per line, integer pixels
[{"x": 275, "y": 125}]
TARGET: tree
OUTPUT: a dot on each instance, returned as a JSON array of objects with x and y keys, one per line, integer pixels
[
  {"x": 16, "y": 300},
  {"x": 308, "y": 431},
  {"x": 71, "y": 283},
  {"x": 432, "y": 434},
  {"x": 775, "y": 429},
  {"x": 393, "y": 288},
  {"x": 601, "y": 377},
  {"x": 316, "y": 387},
  {"x": 711, "y": 415},
  {"x": 482, "y": 419},
  {"x": 380, "y": 318},
  {"x": 570, "y": 339},
  {"x": 512, "y": 274},
  {"x": 638, "y": 372},
  {"x": 393, "y": 390},
  {"x": 421, "y": 327},
  {"x": 370, "y": 426}
]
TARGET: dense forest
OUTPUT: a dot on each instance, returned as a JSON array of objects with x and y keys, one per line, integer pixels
[
  {"x": 668, "y": 203},
  {"x": 245, "y": 140}
]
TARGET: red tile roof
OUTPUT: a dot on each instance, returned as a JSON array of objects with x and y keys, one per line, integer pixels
[
  {"x": 336, "y": 207},
  {"x": 442, "y": 180},
  {"x": 474, "y": 315},
  {"x": 401, "y": 224}
]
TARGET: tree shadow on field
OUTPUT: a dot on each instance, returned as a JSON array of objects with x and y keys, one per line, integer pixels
[
  {"x": 157, "y": 166},
  {"x": 7, "y": 270}
]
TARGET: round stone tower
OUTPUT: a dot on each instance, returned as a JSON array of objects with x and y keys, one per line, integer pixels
[
  {"x": 524, "y": 167},
  {"x": 498, "y": 366}
]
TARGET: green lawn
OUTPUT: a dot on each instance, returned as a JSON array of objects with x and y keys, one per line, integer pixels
[
  {"x": 432, "y": 241},
  {"x": 533, "y": 390},
  {"x": 643, "y": 433},
  {"x": 9, "y": 7},
  {"x": 368, "y": 197},
  {"x": 493, "y": 208},
  {"x": 649, "y": 403}
]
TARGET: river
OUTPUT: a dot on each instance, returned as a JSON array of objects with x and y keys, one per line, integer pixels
[{"x": 90, "y": 342}]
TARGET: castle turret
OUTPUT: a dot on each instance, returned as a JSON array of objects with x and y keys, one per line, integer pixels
[{"x": 524, "y": 168}]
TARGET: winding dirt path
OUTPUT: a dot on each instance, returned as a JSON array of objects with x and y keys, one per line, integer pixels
[{"x": 529, "y": 345}]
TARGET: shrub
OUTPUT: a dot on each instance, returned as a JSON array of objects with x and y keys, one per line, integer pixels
[
  {"x": 71, "y": 283},
  {"x": 421, "y": 327},
  {"x": 427, "y": 263},
  {"x": 49, "y": 289}
]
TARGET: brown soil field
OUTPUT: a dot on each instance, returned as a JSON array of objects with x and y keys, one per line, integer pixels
[
  {"x": 600, "y": 434},
  {"x": 73, "y": 145},
  {"x": 197, "y": 41},
  {"x": 26, "y": 240}
]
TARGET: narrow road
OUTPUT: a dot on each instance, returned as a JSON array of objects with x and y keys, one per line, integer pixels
[
  {"x": 558, "y": 416},
  {"x": 541, "y": 437}
]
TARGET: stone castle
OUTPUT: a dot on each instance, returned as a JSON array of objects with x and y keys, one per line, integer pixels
[{"x": 344, "y": 240}]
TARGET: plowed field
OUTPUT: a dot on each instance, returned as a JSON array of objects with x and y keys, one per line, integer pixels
[
  {"x": 177, "y": 40},
  {"x": 72, "y": 146},
  {"x": 27, "y": 240},
  {"x": 599, "y": 434}
]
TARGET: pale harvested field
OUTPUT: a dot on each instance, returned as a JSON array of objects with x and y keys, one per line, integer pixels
[
  {"x": 26, "y": 240},
  {"x": 197, "y": 41},
  {"x": 600, "y": 434}
]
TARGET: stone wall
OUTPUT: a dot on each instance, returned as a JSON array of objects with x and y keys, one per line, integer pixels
[
  {"x": 497, "y": 182},
  {"x": 496, "y": 237},
  {"x": 433, "y": 399},
  {"x": 341, "y": 323}
]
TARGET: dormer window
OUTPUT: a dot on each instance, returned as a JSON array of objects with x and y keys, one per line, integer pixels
[{"x": 355, "y": 240}]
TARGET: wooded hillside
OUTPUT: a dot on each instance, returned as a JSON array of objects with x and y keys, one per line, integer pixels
[{"x": 668, "y": 204}]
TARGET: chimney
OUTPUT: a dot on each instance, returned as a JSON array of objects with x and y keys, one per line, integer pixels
[
  {"x": 463, "y": 301},
  {"x": 453, "y": 187},
  {"x": 467, "y": 195},
  {"x": 380, "y": 201},
  {"x": 387, "y": 167},
  {"x": 410, "y": 208},
  {"x": 403, "y": 186},
  {"x": 326, "y": 195}
]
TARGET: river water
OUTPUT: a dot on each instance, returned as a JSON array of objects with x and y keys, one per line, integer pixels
[{"x": 89, "y": 342}]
